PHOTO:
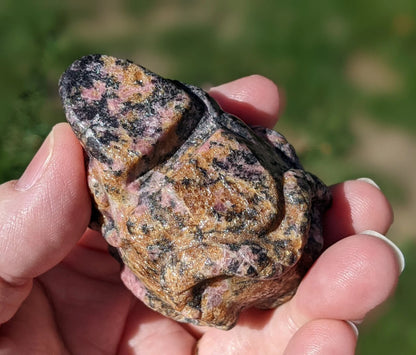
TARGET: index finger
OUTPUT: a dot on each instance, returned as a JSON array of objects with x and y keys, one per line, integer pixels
[
  {"x": 255, "y": 99},
  {"x": 356, "y": 206}
]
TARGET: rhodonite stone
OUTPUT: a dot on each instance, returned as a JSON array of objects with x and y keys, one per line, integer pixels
[{"x": 207, "y": 215}]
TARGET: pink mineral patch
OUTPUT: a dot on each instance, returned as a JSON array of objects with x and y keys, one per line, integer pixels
[
  {"x": 133, "y": 283},
  {"x": 114, "y": 106},
  {"x": 95, "y": 93},
  {"x": 214, "y": 294}
]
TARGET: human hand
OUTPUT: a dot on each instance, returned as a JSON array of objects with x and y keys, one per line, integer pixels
[{"x": 60, "y": 290}]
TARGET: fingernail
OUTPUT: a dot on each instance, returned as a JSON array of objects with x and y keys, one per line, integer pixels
[
  {"x": 354, "y": 328},
  {"x": 397, "y": 251},
  {"x": 236, "y": 89},
  {"x": 37, "y": 166},
  {"x": 227, "y": 88},
  {"x": 369, "y": 181}
]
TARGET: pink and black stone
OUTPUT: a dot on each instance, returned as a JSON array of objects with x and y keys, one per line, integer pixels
[{"x": 207, "y": 215}]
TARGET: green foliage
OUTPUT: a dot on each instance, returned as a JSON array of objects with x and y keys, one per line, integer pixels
[
  {"x": 26, "y": 33},
  {"x": 305, "y": 46}
]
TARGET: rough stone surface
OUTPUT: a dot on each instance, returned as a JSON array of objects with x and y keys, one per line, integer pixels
[{"x": 207, "y": 215}]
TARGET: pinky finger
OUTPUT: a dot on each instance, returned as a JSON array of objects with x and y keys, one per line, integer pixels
[{"x": 324, "y": 337}]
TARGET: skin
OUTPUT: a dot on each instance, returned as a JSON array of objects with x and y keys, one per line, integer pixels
[{"x": 60, "y": 290}]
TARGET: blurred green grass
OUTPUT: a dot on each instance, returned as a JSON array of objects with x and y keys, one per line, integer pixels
[
  {"x": 304, "y": 46},
  {"x": 315, "y": 51}
]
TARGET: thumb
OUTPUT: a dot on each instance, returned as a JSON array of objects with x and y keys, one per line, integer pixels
[{"x": 42, "y": 216}]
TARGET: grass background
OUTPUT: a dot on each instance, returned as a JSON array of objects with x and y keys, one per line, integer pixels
[{"x": 341, "y": 64}]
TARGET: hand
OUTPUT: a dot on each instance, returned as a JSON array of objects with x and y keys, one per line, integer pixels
[{"x": 60, "y": 290}]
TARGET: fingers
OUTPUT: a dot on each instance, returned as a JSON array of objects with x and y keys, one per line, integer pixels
[
  {"x": 350, "y": 278},
  {"x": 254, "y": 99},
  {"x": 42, "y": 215},
  {"x": 323, "y": 336},
  {"x": 142, "y": 334},
  {"x": 32, "y": 328},
  {"x": 356, "y": 206},
  {"x": 339, "y": 281}
]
